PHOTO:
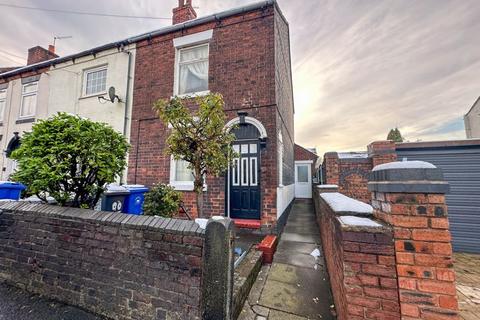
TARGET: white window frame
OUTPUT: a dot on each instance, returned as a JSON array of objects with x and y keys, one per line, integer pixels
[
  {"x": 4, "y": 100},
  {"x": 180, "y": 185},
  {"x": 188, "y": 42},
  {"x": 253, "y": 171},
  {"x": 34, "y": 93},
  {"x": 84, "y": 83},
  {"x": 236, "y": 172}
]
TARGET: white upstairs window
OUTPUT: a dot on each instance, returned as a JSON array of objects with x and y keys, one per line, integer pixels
[
  {"x": 3, "y": 103},
  {"x": 192, "y": 70},
  {"x": 29, "y": 100},
  {"x": 95, "y": 81}
]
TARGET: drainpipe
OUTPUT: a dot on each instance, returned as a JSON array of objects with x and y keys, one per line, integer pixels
[{"x": 127, "y": 101}]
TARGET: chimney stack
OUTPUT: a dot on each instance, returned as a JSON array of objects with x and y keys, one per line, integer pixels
[
  {"x": 38, "y": 54},
  {"x": 184, "y": 12},
  {"x": 51, "y": 48}
]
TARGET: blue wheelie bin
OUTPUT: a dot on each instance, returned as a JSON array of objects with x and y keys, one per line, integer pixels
[
  {"x": 114, "y": 198},
  {"x": 11, "y": 190},
  {"x": 134, "y": 201}
]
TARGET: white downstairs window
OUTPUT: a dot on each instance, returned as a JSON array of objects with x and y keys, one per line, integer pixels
[
  {"x": 95, "y": 81},
  {"x": 181, "y": 177},
  {"x": 29, "y": 100}
]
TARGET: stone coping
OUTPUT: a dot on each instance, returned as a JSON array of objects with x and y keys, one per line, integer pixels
[
  {"x": 153, "y": 223},
  {"x": 362, "y": 224},
  {"x": 342, "y": 205}
]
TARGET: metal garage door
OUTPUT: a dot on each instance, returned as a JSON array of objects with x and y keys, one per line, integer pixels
[{"x": 461, "y": 167}]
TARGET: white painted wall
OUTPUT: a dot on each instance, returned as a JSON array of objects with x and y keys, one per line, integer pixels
[
  {"x": 285, "y": 195},
  {"x": 472, "y": 122},
  {"x": 11, "y": 115},
  {"x": 60, "y": 90},
  {"x": 66, "y": 88}
]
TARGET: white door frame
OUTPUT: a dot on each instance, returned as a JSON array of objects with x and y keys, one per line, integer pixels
[{"x": 304, "y": 190}]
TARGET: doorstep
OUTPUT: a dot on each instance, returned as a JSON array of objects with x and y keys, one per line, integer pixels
[{"x": 247, "y": 223}]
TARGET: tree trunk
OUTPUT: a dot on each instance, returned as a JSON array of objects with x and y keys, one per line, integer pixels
[
  {"x": 200, "y": 204},
  {"x": 198, "y": 188}
]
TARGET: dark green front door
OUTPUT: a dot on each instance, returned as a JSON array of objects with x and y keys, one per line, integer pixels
[{"x": 245, "y": 181}]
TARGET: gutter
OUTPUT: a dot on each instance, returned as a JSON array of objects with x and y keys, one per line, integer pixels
[{"x": 145, "y": 36}]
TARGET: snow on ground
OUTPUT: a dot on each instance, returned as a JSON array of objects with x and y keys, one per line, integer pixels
[
  {"x": 341, "y": 203},
  {"x": 358, "y": 221},
  {"x": 405, "y": 165}
]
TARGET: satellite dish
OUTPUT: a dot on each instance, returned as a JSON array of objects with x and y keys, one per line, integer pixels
[{"x": 111, "y": 94}]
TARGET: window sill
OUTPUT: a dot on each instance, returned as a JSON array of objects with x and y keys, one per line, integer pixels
[
  {"x": 192, "y": 95},
  {"x": 184, "y": 186},
  {"x": 25, "y": 120},
  {"x": 96, "y": 95}
]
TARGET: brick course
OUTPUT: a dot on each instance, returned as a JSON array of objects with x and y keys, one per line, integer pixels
[
  {"x": 423, "y": 251},
  {"x": 117, "y": 265}
]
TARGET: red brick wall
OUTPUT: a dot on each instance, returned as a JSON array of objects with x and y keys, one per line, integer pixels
[
  {"x": 423, "y": 251},
  {"x": 39, "y": 54},
  {"x": 351, "y": 174},
  {"x": 284, "y": 97},
  {"x": 241, "y": 68},
  {"x": 361, "y": 267}
]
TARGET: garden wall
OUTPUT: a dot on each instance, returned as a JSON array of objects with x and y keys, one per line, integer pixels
[
  {"x": 116, "y": 265},
  {"x": 360, "y": 258},
  {"x": 392, "y": 260},
  {"x": 350, "y": 170}
]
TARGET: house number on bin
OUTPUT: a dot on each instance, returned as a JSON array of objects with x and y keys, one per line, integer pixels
[{"x": 117, "y": 206}]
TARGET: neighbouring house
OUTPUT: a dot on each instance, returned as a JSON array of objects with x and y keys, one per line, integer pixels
[
  {"x": 472, "y": 121},
  {"x": 306, "y": 171},
  {"x": 458, "y": 159},
  {"x": 77, "y": 84},
  {"x": 244, "y": 54}
]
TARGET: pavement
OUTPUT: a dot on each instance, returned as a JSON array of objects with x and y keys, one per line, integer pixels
[
  {"x": 467, "y": 269},
  {"x": 16, "y": 304},
  {"x": 295, "y": 286}
]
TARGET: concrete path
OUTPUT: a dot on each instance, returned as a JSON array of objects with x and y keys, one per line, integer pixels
[
  {"x": 295, "y": 286},
  {"x": 16, "y": 304}
]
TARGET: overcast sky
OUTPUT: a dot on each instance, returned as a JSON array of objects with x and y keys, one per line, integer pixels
[{"x": 359, "y": 67}]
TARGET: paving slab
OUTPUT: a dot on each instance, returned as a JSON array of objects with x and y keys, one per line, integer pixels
[
  {"x": 296, "y": 286},
  {"x": 310, "y": 238}
]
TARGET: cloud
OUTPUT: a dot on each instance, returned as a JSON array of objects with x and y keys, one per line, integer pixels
[{"x": 360, "y": 68}]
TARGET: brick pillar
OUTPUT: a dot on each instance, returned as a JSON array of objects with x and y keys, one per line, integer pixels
[
  {"x": 382, "y": 152},
  {"x": 412, "y": 201},
  {"x": 330, "y": 164}
]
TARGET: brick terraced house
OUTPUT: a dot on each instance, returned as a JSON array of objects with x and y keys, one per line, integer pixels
[{"x": 244, "y": 54}]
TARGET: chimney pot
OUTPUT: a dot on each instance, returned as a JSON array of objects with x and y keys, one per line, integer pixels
[
  {"x": 184, "y": 12},
  {"x": 38, "y": 54}
]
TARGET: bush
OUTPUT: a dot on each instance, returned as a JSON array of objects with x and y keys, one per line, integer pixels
[
  {"x": 163, "y": 201},
  {"x": 71, "y": 159}
]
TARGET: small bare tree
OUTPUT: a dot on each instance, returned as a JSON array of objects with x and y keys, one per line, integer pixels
[{"x": 199, "y": 138}]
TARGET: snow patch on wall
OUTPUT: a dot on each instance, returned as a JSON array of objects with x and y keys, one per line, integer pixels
[
  {"x": 341, "y": 203},
  {"x": 352, "y": 155},
  {"x": 358, "y": 221},
  {"x": 404, "y": 165}
]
